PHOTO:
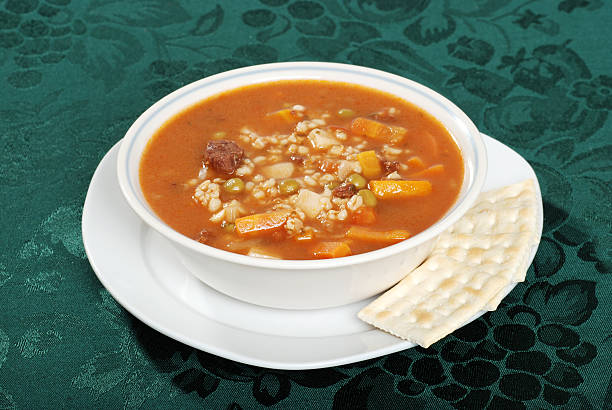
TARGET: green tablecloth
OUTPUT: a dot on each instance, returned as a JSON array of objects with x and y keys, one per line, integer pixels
[{"x": 75, "y": 74}]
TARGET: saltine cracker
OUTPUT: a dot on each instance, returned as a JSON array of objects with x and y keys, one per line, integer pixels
[{"x": 469, "y": 269}]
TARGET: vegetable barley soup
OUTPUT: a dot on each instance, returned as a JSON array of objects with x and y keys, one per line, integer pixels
[{"x": 301, "y": 170}]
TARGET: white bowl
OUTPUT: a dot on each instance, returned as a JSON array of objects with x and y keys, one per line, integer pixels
[{"x": 303, "y": 284}]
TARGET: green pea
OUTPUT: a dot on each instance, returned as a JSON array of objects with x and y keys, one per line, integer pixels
[
  {"x": 234, "y": 185},
  {"x": 346, "y": 113},
  {"x": 229, "y": 227},
  {"x": 333, "y": 185},
  {"x": 288, "y": 187},
  {"x": 369, "y": 199},
  {"x": 219, "y": 135},
  {"x": 357, "y": 180}
]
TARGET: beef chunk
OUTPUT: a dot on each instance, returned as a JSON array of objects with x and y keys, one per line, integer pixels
[
  {"x": 390, "y": 166},
  {"x": 344, "y": 191},
  {"x": 224, "y": 156},
  {"x": 298, "y": 159}
]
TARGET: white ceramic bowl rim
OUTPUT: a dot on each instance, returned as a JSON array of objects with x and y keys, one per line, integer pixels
[{"x": 474, "y": 185}]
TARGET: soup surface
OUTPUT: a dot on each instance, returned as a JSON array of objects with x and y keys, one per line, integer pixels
[{"x": 301, "y": 170}]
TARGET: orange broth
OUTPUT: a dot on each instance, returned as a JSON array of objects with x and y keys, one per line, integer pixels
[{"x": 173, "y": 158}]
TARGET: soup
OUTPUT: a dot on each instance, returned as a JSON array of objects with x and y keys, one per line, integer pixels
[{"x": 301, "y": 170}]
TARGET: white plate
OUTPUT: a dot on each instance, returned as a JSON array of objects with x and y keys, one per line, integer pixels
[{"x": 140, "y": 270}]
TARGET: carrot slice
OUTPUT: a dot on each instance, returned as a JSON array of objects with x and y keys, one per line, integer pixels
[
  {"x": 392, "y": 189},
  {"x": 415, "y": 162},
  {"x": 377, "y": 130},
  {"x": 260, "y": 224},
  {"x": 364, "y": 234},
  {"x": 433, "y": 170},
  {"x": 331, "y": 250},
  {"x": 370, "y": 164},
  {"x": 286, "y": 114},
  {"x": 364, "y": 215}
]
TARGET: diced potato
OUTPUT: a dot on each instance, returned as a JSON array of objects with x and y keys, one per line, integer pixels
[
  {"x": 392, "y": 189},
  {"x": 310, "y": 203},
  {"x": 262, "y": 253},
  {"x": 234, "y": 244},
  {"x": 347, "y": 168},
  {"x": 370, "y": 164},
  {"x": 321, "y": 139},
  {"x": 282, "y": 170}
]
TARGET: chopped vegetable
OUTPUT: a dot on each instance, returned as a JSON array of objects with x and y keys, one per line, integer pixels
[
  {"x": 346, "y": 113},
  {"x": 370, "y": 164},
  {"x": 321, "y": 139},
  {"x": 229, "y": 227},
  {"x": 388, "y": 237},
  {"x": 369, "y": 199},
  {"x": 261, "y": 224},
  {"x": 234, "y": 185},
  {"x": 392, "y": 189},
  {"x": 357, "y": 180},
  {"x": 279, "y": 171},
  {"x": 219, "y": 135},
  {"x": 332, "y": 185},
  {"x": 429, "y": 172},
  {"x": 263, "y": 253},
  {"x": 233, "y": 244},
  {"x": 286, "y": 114},
  {"x": 345, "y": 168},
  {"x": 310, "y": 202},
  {"x": 331, "y": 250},
  {"x": 377, "y": 130},
  {"x": 364, "y": 215},
  {"x": 415, "y": 163},
  {"x": 288, "y": 187}
]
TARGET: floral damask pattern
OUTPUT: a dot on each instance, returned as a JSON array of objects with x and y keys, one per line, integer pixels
[{"x": 75, "y": 74}]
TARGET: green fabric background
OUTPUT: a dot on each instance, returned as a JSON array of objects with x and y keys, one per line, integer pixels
[{"x": 75, "y": 74}]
